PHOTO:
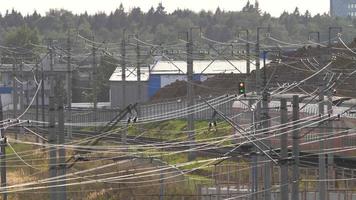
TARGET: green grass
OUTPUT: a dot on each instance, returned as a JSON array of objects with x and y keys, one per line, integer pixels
[
  {"x": 167, "y": 130},
  {"x": 18, "y": 148},
  {"x": 202, "y": 179},
  {"x": 175, "y": 130}
]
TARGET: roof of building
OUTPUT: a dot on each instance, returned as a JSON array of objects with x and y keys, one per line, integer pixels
[
  {"x": 208, "y": 67},
  {"x": 91, "y": 105},
  {"x": 200, "y": 67},
  {"x": 131, "y": 74}
]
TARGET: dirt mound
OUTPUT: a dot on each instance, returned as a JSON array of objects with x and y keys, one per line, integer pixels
[
  {"x": 277, "y": 74},
  {"x": 215, "y": 85}
]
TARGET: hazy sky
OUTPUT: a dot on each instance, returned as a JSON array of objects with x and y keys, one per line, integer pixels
[{"x": 275, "y": 7}]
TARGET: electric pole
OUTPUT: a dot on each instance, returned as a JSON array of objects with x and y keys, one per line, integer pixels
[
  {"x": 322, "y": 158},
  {"x": 14, "y": 92},
  {"x": 295, "y": 151},
  {"x": 161, "y": 186},
  {"x": 254, "y": 157},
  {"x": 138, "y": 54},
  {"x": 265, "y": 126},
  {"x": 330, "y": 160},
  {"x": 248, "y": 64},
  {"x": 69, "y": 86},
  {"x": 258, "y": 116},
  {"x": 52, "y": 150},
  {"x": 3, "y": 142},
  {"x": 248, "y": 68},
  {"x": 52, "y": 140},
  {"x": 258, "y": 67},
  {"x": 94, "y": 83},
  {"x": 331, "y": 169},
  {"x": 123, "y": 68},
  {"x": 284, "y": 152},
  {"x": 139, "y": 83},
  {"x": 190, "y": 94},
  {"x": 37, "y": 102},
  {"x": 62, "y": 195},
  {"x": 123, "y": 79},
  {"x": 22, "y": 93},
  {"x": 43, "y": 101}
]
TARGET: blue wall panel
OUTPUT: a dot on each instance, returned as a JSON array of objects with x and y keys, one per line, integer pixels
[
  {"x": 154, "y": 84},
  {"x": 5, "y": 90},
  {"x": 197, "y": 77}
]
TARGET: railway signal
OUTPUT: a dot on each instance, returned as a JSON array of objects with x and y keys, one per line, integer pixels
[{"x": 242, "y": 89}]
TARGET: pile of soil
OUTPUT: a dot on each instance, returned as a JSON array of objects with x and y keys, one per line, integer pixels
[
  {"x": 276, "y": 74},
  {"x": 215, "y": 85}
]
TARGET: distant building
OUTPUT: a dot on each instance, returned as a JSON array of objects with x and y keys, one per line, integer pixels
[
  {"x": 27, "y": 80},
  {"x": 343, "y": 8},
  {"x": 163, "y": 73},
  {"x": 29, "y": 83}
]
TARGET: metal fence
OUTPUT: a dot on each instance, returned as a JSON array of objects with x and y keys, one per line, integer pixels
[
  {"x": 220, "y": 193},
  {"x": 169, "y": 110},
  {"x": 201, "y": 111}
]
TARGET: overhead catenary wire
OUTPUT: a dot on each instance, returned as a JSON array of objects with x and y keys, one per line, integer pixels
[{"x": 201, "y": 146}]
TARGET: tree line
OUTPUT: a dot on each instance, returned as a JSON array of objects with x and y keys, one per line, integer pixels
[{"x": 159, "y": 26}]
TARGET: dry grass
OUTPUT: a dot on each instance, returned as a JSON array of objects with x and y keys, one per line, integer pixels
[{"x": 19, "y": 173}]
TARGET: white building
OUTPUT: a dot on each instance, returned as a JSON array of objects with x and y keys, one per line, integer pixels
[{"x": 163, "y": 73}]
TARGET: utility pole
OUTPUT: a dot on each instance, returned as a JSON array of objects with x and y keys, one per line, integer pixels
[
  {"x": 37, "y": 102},
  {"x": 258, "y": 65},
  {"x": 258, "y": 117},
  {"x": 22, "y": 93},
  {"x": 123, "y": 79},
  {"x": 190, "y": 94},
  {"x": 161, "y": 187},
  {"x": 248, "y": 68},
  {"x": 52, "y": 150},
  {"x": 3, "y": 142},
  {"x": 62, "y": 195},
  {"x": 94, "y": 84},
  {"x": 14, "y": 92},
  {"x": 331, "y": 169},
  {"x": 69, "y": 86},
  {"x": 254, "y": 157},
  {"x": 138, "y": 54},
  {"x": 265, "y": 125},
  {"x": 248, "y": 64},
  {"x": 322, "y": 157},
  {"x": 43, "y": 100},
  {"x": 52, "y": 140},
  {"x": 139, "y": 83},
  {"x": 258, "y": 71},
  {"x": 295, "y": 151},
  {"x": 322, "y": 160},
  {"x": 284, "y": 152},
  {"x": 123, "y": 68}
]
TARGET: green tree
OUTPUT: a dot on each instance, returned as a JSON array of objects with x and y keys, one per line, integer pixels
[{"x": 21, "y": 42}]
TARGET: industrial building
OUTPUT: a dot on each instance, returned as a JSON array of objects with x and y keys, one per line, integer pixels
[
  {"x": 343, "y": 8},
  {"x": 163, "y": 73},
  {"x": 23, "y": 75}
]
